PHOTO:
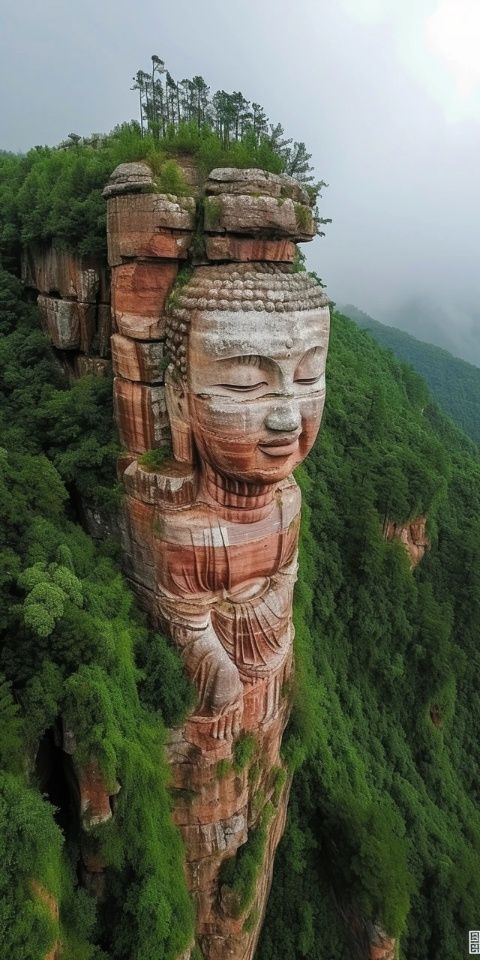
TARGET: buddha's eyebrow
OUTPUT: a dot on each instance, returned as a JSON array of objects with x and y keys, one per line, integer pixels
[{"x": 248, "y": 359}]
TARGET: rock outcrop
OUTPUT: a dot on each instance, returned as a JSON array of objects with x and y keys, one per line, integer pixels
[
  {"x": 149, "y": 225},
  {"x": 382, "y": 947},
  {"x": 73, "y": 303},
  {"x": 139, "y": 292},
  {"x": 92, "y": 799},
  {"x": 210, "y": 534},
  {"x": 412, "y": 535}
]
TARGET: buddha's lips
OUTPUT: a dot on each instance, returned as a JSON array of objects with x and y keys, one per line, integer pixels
[{"x": 280, "y": 447}]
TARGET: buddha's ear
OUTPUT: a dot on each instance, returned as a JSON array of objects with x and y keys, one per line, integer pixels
[{"x": 176, "y": 399}]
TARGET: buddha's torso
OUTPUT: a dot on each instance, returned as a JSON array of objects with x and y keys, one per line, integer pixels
[
  {"x": 243, "y": 573},
  {"x": 199, "y": 553}
]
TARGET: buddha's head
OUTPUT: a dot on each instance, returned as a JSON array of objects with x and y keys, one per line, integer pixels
[{"x": 246, "y": 386}]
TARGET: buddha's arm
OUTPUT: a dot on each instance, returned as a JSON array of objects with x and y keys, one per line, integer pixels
[{"x": 213, "y": 673}]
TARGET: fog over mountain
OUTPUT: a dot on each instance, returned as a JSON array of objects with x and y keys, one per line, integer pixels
[
  {"x": 386, "y": 96},
  {"x": 451, "y": 325},
  {"x": 455, "y": 326}
]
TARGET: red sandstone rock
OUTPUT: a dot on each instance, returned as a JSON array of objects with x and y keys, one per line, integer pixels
[
  {"x": 174, "y": 483},
  {"x": 141, "y": 415},
  {"x": 259, "y": 217},
  {"x": 412, "y": 535},
  {"x": 215, "y": 817},
  {"x": 149, "y": 225},
  {"x": 210, "y": 546},
  {"x": 86, "y": 320},
  {"x": 229, "y": 247},
  {"x": 95, "y": 796},
  {"x": 138, "y": 360},
  {"x": 215, "y": 794},
  {"x": 216, "y": 838},
  {"x": 74, "y": 297},
  {"x": 55, "y": 271},
  {"x": 136, "y": 527},
  {"x": 139, "y": 293}
]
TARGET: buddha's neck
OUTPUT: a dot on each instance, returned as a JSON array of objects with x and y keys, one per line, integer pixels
[{"x": 237, "y": 500}]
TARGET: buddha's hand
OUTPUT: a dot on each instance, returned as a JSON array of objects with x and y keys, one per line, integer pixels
[{"x": 229, "y": 725}]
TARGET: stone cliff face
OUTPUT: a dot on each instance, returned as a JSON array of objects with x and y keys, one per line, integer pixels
[
  {"x": 73, "y": 303},
  {"x": 210, "y": 535},
  {"x": 73, "y": 300}
]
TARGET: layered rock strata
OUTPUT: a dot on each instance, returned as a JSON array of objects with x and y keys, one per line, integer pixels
[
  {"x": 73, "y": 303},
  {"x": 221, "y": 370}
]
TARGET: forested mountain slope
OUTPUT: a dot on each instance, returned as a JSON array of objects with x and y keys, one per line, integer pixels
[
  {"x": 384, "y": 820},
  {"x": 454, "y": 383},
  {"x": 384, "y": 823}
]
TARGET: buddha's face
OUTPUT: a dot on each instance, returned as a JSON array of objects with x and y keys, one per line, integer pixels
[{"x": 256, "y": 389}]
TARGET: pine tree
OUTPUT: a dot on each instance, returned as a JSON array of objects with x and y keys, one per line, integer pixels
[{"x": 298, "y": 163}]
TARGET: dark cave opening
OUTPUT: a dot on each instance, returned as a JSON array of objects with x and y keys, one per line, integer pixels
[{"x": 55, "y": 780}]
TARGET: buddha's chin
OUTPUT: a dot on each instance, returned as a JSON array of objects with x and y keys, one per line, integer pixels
[
  {"x": 267, "y": 469},
  {"x": 266, "y": 462}
]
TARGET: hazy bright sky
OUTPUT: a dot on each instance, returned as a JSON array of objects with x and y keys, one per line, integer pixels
[{"x": 386, "y": 94}]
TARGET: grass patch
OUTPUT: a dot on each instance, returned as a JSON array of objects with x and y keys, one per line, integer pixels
[
  {"x": 303, "y": 217},
  {"x": 171, "y": 180},
  {"x": 153, "y": 460},
  {"x": 213, "y": 212},
  {"x": 241, "y": 872},
  {"x": 223, "y": 768},
  {"x": 243, "y": 751}
]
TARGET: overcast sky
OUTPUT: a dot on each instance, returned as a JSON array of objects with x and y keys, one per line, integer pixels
[{"x": 385, "y": 93}]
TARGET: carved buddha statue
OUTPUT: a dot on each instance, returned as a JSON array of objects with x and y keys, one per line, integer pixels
[{"x": 245, "y": 393}]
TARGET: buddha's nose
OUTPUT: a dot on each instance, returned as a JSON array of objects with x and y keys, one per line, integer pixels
[{"x": 284, "y": 418}]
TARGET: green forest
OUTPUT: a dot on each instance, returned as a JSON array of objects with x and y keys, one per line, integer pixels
[
  {"x": 384, "y": 821},
  {"x": 72, "y": 643},
  {"x": 454, "y": 384}
]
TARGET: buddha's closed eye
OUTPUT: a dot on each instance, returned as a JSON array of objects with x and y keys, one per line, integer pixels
[
  {"x": 311, "y": 367},
  {"x": 243, "y": 387},
  {"x": 244, "y": 374},
  {"x": 307, "y": 380}
]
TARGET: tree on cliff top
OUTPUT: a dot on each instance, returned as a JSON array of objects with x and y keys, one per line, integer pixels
[{"x": 167, "y": 104}]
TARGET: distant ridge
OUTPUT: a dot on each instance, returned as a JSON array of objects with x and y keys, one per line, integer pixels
[{"x": 454, "y": 383}]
